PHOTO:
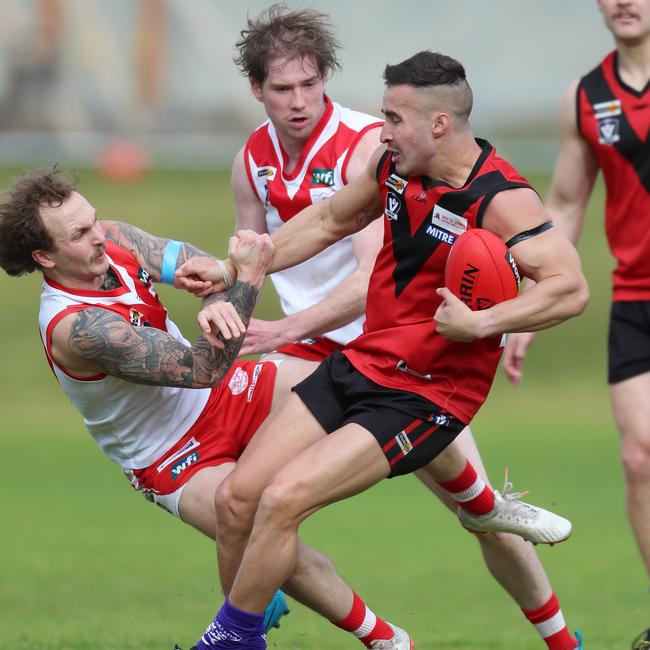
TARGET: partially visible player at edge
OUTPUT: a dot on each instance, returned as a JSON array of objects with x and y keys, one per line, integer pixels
[
  {"x": 605, "y": 123},
  {"x": 403, "y": 360},
  {"x": 307, "y": 149}
]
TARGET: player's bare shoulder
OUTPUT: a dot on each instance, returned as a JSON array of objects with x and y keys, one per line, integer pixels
[
  {"x": 568, "y": 109},
  {"x": 514, "y": 211},
  {"x": 363, "y": 152}
]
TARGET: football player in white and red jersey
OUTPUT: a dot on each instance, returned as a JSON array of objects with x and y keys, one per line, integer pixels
[
  {"x": 307, "y": 149},
  {"x": 605, "y": 125},
  {"x": 396, "y": 354},
  {"x": 174, "y": 416}
]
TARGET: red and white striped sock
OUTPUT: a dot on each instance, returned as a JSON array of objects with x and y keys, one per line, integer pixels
[
  {"x": 471, "y": 491},
  {"x": 549, "y": 622},
  {"x": 364, "y": 624}
]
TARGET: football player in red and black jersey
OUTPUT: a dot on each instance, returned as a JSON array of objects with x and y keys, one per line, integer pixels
[
  {"x": 605, "y": 120},
  {"x": 397, "y": 396},
  {"x": 308, "y": 148}
]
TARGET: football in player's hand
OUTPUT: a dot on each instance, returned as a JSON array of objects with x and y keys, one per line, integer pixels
[{"x": 480, "y": 270}]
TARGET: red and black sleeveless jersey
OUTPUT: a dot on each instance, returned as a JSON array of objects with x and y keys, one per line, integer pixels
[
  {"x": 614, "y": 119},
  {"x": 400, "y": 347}
]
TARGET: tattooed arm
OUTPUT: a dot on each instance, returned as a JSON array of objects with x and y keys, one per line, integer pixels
[
  {"x": 147, "y": 248},
  {"x": 97, "y": 340}
]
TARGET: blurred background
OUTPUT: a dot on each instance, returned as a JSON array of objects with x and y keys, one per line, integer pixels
[
  {"x": 141, "y": 97},
  {"x": 82, "y": 80}
]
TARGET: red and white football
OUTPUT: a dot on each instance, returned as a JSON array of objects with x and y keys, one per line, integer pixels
[{"x": 480, "y": 270}]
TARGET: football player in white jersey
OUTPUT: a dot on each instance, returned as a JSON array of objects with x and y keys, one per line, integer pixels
[
  {"x": 287, "y": 57},
  {"x": 175, "y": 416}
]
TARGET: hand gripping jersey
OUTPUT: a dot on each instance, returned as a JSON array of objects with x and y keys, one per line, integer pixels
[
  {"x": 614, "y": 119},
  {"x": 133, "y": 424},
  {"x": 400, "y": 347},
  {"x": 320, "y": 172}
]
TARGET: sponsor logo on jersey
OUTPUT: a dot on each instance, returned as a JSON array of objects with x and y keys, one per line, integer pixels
[
  {"x": 396, "y": 183},
  {"x": 609, "y": 130},
  {"x": 322, "y": 177},
  {"x": 251, "y": 389},
  {"x": 440, "y": 234},
  {"x": 267, "y": 172},
  {"x": 135, "y": 317},
  {"x": 443, "y": 218},
  {"x": 607, "y": 109},
  {"x": 178, "y": 468},
  {"x": 238, "y": 381},
  {"x": 404, "y": 443},
  {"x": 393, "y": 206},
  {"x": 144, "y": 276}
]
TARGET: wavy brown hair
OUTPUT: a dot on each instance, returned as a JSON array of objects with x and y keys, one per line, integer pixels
[
  {"x": 22, "y": 230},
  {"x": 278, "y": 32}
]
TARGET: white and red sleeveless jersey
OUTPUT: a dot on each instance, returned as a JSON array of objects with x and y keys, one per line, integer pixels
[
  {"x": 400, "y": 346},
  {"x": 321, "y": 171},
  {"x": 133, "y": 424}
]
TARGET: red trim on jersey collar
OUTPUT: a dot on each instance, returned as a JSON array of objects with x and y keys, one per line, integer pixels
[
  {"x": 329, "y": 109},
  {"x": 91, "y": 293}
]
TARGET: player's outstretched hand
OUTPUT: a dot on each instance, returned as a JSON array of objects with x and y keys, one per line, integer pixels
[
  {"x": 202, "y": 275},
  {"x": 264, "y": 336},
  {"x": 453, "y": 318},
  {"x": 251, "y": 254},
  {"x": 220, "y": 318},
  {"x": 514, "y": 355}
]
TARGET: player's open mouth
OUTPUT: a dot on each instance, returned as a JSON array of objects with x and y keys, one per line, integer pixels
[{"x": 298, "y": 121}]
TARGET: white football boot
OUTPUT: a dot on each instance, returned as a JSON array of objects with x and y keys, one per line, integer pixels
[
  {"x": 510, "y": 515},
  {"x": 401, "y": 641}
]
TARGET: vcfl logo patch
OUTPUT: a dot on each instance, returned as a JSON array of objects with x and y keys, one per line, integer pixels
[
  {"x": 608, "y": 130},
  {"x": 393, "y": 206}
]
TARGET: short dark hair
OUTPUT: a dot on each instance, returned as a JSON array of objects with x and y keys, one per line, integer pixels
[
  {"x": 22, "y": 230},
  {"x": 438, "y": 72},
  {"x": 425, "y": 68},
  {"x": 279, "y": 32}
]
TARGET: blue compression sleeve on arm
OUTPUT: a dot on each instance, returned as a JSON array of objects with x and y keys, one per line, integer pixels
[{"x": 170, "y": 257}]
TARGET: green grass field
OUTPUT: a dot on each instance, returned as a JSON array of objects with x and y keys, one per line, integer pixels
[{"x": 87, "y": 564}]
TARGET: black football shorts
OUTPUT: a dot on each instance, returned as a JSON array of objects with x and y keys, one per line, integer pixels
[
  {"x": 410, "y": 429},
  {"x": 629, "y": 340}
]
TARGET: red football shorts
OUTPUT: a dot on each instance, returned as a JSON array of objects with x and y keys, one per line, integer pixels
[{"x": 233, "y": 413}]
